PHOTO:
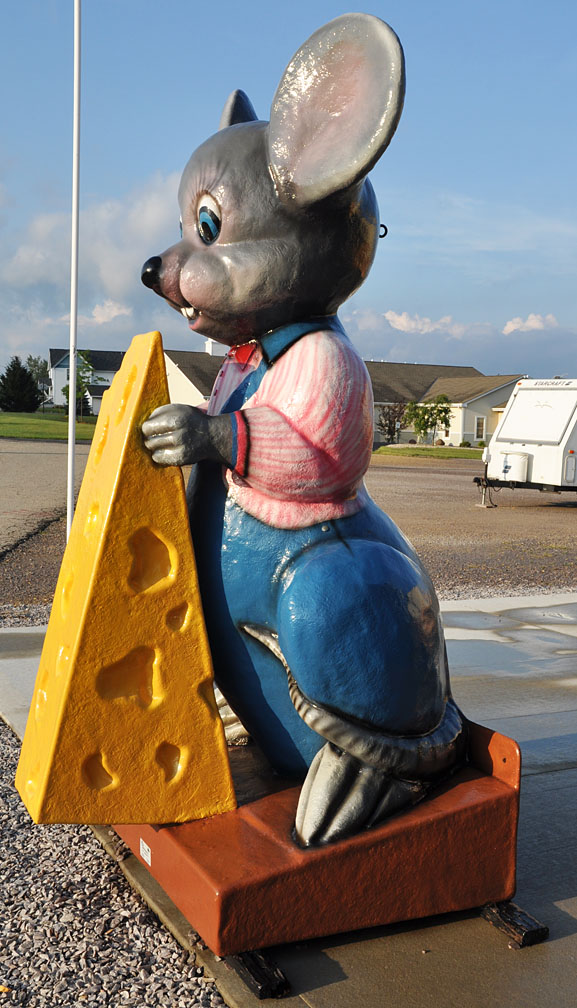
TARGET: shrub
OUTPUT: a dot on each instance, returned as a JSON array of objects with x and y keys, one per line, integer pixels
[
  {"x": 481, "y": 444},
  {"x": 465, "y": 444}
]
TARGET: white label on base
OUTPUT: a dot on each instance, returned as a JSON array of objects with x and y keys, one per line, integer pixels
[{"x": 145, "y": 852}]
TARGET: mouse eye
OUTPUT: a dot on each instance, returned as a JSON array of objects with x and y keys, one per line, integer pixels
[{"x": 208, "y": 219}]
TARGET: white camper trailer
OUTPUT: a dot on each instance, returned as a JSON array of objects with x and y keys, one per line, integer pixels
[{"x": 535, "y": 444}]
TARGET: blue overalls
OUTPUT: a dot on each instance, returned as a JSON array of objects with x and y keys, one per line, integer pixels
[{"x": 352, "y": 606}]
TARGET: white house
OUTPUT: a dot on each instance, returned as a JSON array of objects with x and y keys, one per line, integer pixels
[
  {"x": 190, "y": 374},
  {"x": 103, "y": 365}
]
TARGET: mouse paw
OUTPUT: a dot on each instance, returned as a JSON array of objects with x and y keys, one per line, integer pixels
[{"x": 341, "y": 796}]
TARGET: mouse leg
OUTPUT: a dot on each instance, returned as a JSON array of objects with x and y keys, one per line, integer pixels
[
  {"x": 341, "y": 795},
  {"x": 361, "y": 776}
]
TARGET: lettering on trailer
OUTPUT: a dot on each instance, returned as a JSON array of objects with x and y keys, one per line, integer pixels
[{"x": 552, "y": 381}]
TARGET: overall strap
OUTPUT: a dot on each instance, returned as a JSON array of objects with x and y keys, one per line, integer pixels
[{"x": 273, "y": 345}]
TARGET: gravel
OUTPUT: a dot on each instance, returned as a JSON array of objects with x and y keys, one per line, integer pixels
[
  {"x": 24, "y": 615},
  {"x": 71, "y": 930}
]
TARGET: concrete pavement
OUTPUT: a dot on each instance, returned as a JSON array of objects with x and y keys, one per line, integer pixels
[{"x": 514, "y": 668}]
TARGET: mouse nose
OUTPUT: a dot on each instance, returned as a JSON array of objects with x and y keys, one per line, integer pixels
[{"x": 150, "y": 275}]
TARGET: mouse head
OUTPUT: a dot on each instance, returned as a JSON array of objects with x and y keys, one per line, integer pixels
[{"x": 279, "y": 222}]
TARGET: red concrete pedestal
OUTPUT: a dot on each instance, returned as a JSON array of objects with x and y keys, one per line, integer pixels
[{"x": 243, "y": 884}]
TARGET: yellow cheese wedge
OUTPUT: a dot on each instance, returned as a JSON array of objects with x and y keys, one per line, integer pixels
[{"x": 123, "y": 725}]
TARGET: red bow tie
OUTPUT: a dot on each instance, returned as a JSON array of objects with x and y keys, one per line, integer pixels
[{"x": 242, "y": 352}]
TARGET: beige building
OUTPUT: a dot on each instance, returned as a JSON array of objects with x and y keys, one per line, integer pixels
[
  {"x": 476, "y": 405},
  {"x": 477, "y": 400}
]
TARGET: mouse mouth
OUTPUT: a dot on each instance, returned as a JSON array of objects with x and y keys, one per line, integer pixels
[{"x": 190, "y": 312}]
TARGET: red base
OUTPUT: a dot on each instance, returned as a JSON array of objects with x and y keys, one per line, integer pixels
[{"x": 243, "y": 884}]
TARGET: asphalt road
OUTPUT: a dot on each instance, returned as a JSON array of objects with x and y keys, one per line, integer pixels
[
  {"x": 526, "y": 544},
  {"x": 33, "y": 477}
]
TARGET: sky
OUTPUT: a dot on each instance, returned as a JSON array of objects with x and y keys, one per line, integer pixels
[{"x": 477, "y": 188}]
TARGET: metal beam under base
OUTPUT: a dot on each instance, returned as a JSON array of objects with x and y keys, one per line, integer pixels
[
  {"x": 260, "y": 974},
  {"x": 522, "y": 929}
]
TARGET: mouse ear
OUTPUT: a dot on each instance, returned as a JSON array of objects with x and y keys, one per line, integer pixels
[
  {"x": 238, "y": 109},
  {"x": 336, "y": 108}
]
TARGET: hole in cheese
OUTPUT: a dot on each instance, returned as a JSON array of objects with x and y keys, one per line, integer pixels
[
  {"x": 92, "y": 520},
  {"x": 168, "y": 756},
  {"x": 151, "y": 561},
  {"x": 126, "y": 394},
  {"x": 134, "y": 676},
  {"x": 31, "y": 785},
  {"x": 40, "y": 705},
  {"x": 176, "y": 618},
  {"x": 62, "y": 661},
  {"x": 102, "y": 440},
  {"x": 66, "y": 596},
  {"x": 95, "y": 773}
]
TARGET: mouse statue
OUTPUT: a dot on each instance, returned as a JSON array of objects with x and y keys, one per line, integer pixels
[{"x": 323, "y": 623}]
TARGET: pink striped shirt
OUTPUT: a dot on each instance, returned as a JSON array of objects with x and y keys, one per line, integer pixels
[{"x": 309, "y": 437}]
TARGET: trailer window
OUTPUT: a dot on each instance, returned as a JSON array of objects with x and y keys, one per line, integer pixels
[{"x": 538, "y": 416}]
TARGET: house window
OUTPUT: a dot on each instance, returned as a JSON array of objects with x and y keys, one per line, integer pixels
[{"x": 480, "y": 428}]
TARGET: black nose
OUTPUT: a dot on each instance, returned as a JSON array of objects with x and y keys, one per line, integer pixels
[{"x": 150, "y": 275}]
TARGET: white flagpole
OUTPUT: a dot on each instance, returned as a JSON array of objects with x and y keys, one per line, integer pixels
[{"x": 74, "y": 271}]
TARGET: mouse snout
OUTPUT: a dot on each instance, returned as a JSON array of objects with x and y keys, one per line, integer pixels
[{"x": 150, "y": 275}]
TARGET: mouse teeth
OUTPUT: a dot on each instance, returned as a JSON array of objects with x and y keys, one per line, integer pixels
[{"x": 190, "y": 313}]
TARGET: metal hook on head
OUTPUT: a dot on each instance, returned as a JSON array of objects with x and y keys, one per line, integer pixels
[{"x": 383, "y": 231}]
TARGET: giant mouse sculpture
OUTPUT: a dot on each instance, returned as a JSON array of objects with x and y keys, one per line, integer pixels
[{"x": 324, "y": 625}]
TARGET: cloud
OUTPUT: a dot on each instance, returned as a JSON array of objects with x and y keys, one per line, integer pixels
[
  {"x": 102, "y": 314},
  {"x": 116, "y": 237},
  {"x": 538, "y": 350},
  {"x": 532, "y": 322},
  {"x": 416, "y": 324}
]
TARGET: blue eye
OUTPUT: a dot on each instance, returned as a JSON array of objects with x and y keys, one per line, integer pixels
[{"x": 208, "y": 224}]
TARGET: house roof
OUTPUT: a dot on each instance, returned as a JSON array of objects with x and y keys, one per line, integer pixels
[
  {"x": 463, "y": 389},
  {"x": 97, "y": 391},
  {"x": 199, "y": 367},
  {"x": 410, "y": 382},
  {"x": 391, "y": 381},
  {"x": 100, "y": 360}
]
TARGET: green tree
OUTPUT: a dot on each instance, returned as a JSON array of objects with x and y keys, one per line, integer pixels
[
  {"x": 19, "y": 392},
  {"x": 84, "y": 377},
  {"x": 391, "y": 420},
  {"x": 38, "y": 368},
  {"x": 426, "y": 417}
]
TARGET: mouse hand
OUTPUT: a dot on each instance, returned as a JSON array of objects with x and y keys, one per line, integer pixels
[
  {"x": 177, "y": 435},
  {"x": 341, "y": 796}
]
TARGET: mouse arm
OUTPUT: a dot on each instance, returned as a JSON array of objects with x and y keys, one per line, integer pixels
[{"x": 181, "y": 435}]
